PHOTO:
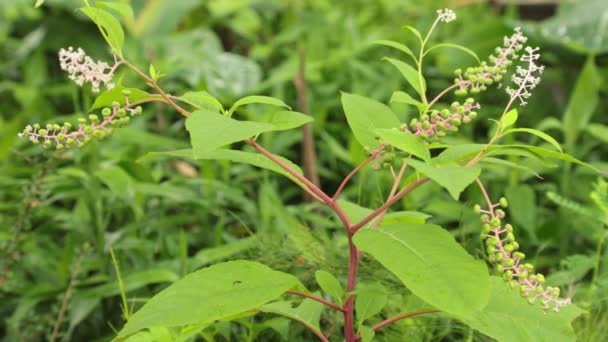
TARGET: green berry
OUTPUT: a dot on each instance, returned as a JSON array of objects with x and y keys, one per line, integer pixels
[
  {"x": 106, "y": 112},
  {"x": 94, "y": 118},
  {"x": 42, "y": 131},
  {"x": 61, "y": 137}
]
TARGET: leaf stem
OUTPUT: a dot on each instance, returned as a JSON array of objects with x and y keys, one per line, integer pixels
[
  {"x": 355, "y": 170},
  {"x": 316, "y": 298},
  {"x": 394, "y": 319}
]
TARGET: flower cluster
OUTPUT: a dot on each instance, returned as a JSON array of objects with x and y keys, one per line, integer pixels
[
  {"x": 82, "y": 69},
  {"x": 502, "y": 252},
  {"x": 476, "y": 79},
  {"x": 526, "y": 78},
  {"x": 62, "y": 136},
  {"x": 446, "y": 15},
  {"x": 435, "y": 125}
]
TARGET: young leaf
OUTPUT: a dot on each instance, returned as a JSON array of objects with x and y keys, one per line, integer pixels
[
  {"x": 454, "y": 46},
  {"x": 283, "y": 120},
  {"x": 546, "y": 137},
  {"x": 403, "y": 97},
  {"x": 410, "y": 74},
  {"x": 121, "y": 8},
  {"x": 110, "y": 27},
  {"x": 397, "y": 46},
  {"x": 330, "y": 285},
  {"x": 430, "y": 263},
  {"x": 404, "y": 141},
  {"x": 152, "y": 72},
  {"x": 415, "y": 32},
  {"x": 210, "y": 294},
  {"x": 210, "y": 131},
  {"x": 508, "y": 317},
  {"x": 370, "y": 300},
  {"x": 364, "y": 115},
  {"x": 509, "y": 118},
  {"x": 455, "y": 178},
  {"x": 202, "y": 100},
  {"x": 256, "y": 99}
]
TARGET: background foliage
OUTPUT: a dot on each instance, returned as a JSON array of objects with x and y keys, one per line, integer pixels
[{"x": 70, "y": 221}]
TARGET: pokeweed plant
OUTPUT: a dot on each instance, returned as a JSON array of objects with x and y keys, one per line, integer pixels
[{"x": 424, "y": 257}]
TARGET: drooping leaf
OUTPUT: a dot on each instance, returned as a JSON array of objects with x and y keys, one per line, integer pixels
[
  {"x": 364, "y": 115},
  {"x": 414, "y": 31},
  {"x": 405, "y": 141},
  {"x": 430, "y": 263},
  {"x": 109, "y": 26},
  {"x": 202, "y": 100},
  {"x": 410, "y": 74},
  {"x": 453, "y": 177},
  {"x": 508, "y": 317},
  {"x": 210, "y": 294},
  {"x": 210, "y": 131},
  {"x": 256, "y": 99},
  {"x": 397, "y": 46},
  {"x": 370, "y": 300},
  {"x": 546, "y": 137},
  {"x": 330, "y": 285},
  {"x": 454, "y": 46}
]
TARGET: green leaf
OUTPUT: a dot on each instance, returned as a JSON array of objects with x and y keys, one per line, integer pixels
[
  {"x": 509, "y": 318},
  {"x": 404, "y": 141},
  {"x": 403, "y": 97},
  {"x": 39, "y": 3},
  {"x": 455, "y": 178},
  {"x": 410, "y": 74},
  {"x": 284, "y": 119},
  {"x": 582, "y": 104},
  {"x": 307, "y": 313},
  {"x": 202, "y": 100},
  {"x": 370, "y": 300},
  {"x": 454, "y": 46},
  {"x": 598, "y": 131},
  {"x": 546, "y": 137},
  {"x": 573, "y": 269},
  {"x": 430, "y": 263},
  {"x": 109, "y": 26},
  {"x": 152, "y": 72},
  {"x": 330, "y": 285},
  {"x": 367, "y": 333},
  {"x": 250, "y": 158},
  {"x": 509, "y": 118},
  {"x": 415, "y": 32},
  {"x": 115, "y": 94},
  {"x": 397, "y": 46},
  {"x": 256, "y": 99},
  {"x": 364, "y": 115},
  {"x": 210, "y": 294},
  {"x": 121, "y": 8},
  {"x": 522, "y": 207},
  {"x": 210, "y": 131}
]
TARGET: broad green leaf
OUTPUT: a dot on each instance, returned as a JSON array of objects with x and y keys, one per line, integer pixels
[
  {"x": 430, "y": 263},
  {"x": 509, "y": 318},
  {"x": 209, "y": 130},
  {"x": 256, "y": 99},
  {"x": 522, "y": 207},
  {"x": 330, "y": 285},
  {"x": 403, "y": 97},
  {"x": 109, "y": 26},
  {"x": 367, "y": 333},
  {"x": 509, "y": 118},
  {"x": 546, "y": 137},
  {"x": 453, "y": 177},
  {"x": 404, "y": 141},
  {"x": 121, "y": 8},
  {"x": 202, "y": 100},
  {"x": 284, "y": 119},
  {"x": 415, "y": 32},
  {"x": 210, "y": 294},
  {"x": 397, "y": 46},
  {"x": 116, "y": 94},
  {"x": 307, "y": 313},
  {"x": 250, "y": 158},
  {"x": 582, "y": 104},
  {"x": 370, "y": 300},
  {"x": 410, "y": 74},
  {"x": 364, "y": 115},
  {"x": 454, "y": 46}
]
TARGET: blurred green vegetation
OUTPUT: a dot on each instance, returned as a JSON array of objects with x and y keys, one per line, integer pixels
[{"x": 61, "y": 213}]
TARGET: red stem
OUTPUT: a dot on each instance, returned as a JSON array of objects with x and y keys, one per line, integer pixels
[
  {"x": 391, "y": 320},
  {"x": 355, "y": 170},
  {"x": 349, "y": 312},
  {"x": 318, "y": 299}
]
